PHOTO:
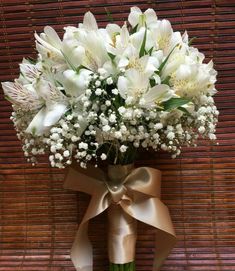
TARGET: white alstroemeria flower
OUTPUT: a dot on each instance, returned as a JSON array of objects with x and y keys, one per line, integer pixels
[
  {"x": 49, "y": 44},
  {"x": 177, "y": 58},
  {"x": 137, "y": 38},
  {"x": 75, "y": 83},
  {"x": 86, "y": 44},
  {"x": 119, "y": 39},
  {"x": 132, "y": 85},
  {"x": 95, "y": 52},
  {"x": 164, "y": 37},
  {"x": 24, "y": 97},
  {"x": 195, "y": 56},
  {"x": 136, "y": 16},
  {"x": 113, "y": 30},
  {"x": 131, "y": 60},
  {"x": 89, "y": 22},
  {"x": 191, "y": 80},
  {"x": 29, "y": 71},
  {"x": 156, "y": 95},
  {"x": 55, "y": 105},
  {"x": 73, "y": 52},
  {"x": 134, "y": 88}
]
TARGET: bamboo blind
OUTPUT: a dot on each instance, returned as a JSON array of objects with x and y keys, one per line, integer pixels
[{"x": 38, "y": 218}]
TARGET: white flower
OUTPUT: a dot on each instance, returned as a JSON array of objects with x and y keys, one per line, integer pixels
[
  {"x": 55, "y": 136},
  {"x": 23, "y": 96},
  {"x": 55, "y": 106},
  {"x": 201, "y": 129},
  {"x": 112, "y": 118},
  {"x": 75, "y": 83},
  {"x": 137, "y": 17},
  {"x": 103, "y": 156},
  {"x": 118, "y": 134},
  {"x": 49, "y": 44},
  {"x": 30, "y": 72},
  {"x": 98, "y": 91},
  {"x": 164, "y": 37},
  {"x": 157, "y": 95},
  {"x": 132, "y": 84},
  {"x": 97, "y": 83},
  {"x": 92, "y": 40},
  {"x": 106, "y": 128},
  {"x": 158, "y": 126},
  {"x": 135, "y": 85},
  {"x": 83, "y": 145},
  {"x": 121, "y": 110},
  {"x": 66, "y": 153},
  {"x": 115, "y": 91},
  {"x": 123, "y": 148},
  {"x": 108, "y": 103},
  {"x": 109, "y": 81},
  {"x": 171, "y": 135}
]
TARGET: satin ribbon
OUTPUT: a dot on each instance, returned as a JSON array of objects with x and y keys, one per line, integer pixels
[{"x": 129, "y": 194}]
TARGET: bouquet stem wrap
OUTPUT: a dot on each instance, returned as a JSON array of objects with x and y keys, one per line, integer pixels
[
  {"x": 122, "y": 226},
  {"x": 130, "y": 194}
]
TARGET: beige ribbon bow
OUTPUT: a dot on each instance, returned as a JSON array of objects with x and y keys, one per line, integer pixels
[{"x": 131, "y": 194}]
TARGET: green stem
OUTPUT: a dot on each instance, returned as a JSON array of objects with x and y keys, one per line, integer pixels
[{"x": 122, "y": 267}]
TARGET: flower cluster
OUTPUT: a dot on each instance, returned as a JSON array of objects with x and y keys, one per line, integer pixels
[{"x": 102, "y": 93}]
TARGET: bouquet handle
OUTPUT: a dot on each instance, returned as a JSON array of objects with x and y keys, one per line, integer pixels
[{"x": 122, "y": 236}]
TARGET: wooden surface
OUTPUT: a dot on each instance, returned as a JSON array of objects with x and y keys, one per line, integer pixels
[{"x": 38, "y": 218}]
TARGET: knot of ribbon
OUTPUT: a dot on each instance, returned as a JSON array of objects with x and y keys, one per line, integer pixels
[{"x": 129, "y": 194}]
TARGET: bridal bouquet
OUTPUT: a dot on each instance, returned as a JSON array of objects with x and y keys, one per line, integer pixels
[{"x": 103, "y": 93}]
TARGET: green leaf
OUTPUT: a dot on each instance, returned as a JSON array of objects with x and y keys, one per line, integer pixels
[
  {"x": 150, "y": 51},
  {"x": 59, "y": 83},
  {"x": 68, "y": 62},
  {"x": 109, "y": 15},
  {"x": 174, "y": 103},
  {"x": 166, "y": 81},
  {"x": 34, "y": 131},
  {"x": 8, "y": 98},
  {"x": 184, "y": 110},
  {"x": 142, "y": 49},
  {"x": 31, "y": 60},
  {"x": 133, "y": 30},
  {"x": 165, "y": 61},
  {"x": 112, "y": 57},
  {"x": 81, "y": 67},
  {"x": 191, "y": 41},
  {"x": 152, "y": 82}
]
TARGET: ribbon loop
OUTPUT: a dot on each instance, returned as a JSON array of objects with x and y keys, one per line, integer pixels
[
  {"x": 136, "y": 194},
  {"x": 116, "y": 191}
]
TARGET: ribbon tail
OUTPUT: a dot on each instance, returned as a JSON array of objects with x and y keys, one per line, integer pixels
[
  {"x": 153, "y": 212},
  {"x": 165, "y": 238},
  {"x": 164, "y": 243},
  {"x": 81, "y": 252}
]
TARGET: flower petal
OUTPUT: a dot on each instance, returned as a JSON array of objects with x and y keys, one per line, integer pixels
[
  {"x": 151, "y": 16},
  {"x": 53, "y": 114},
  {"x": 123, "y": 62},
  {"x": 134, "y": 15},
  {"x": 75, "y": 83},
  {"x": 158, "y": 93},
  {"x": 112, "y": 29},
  {"x": 53, "y": 37},
  {"x": 36, "y": 126},
  {"x": 89, "y": 22},
  {"x": 23, "y": 96},
  {"x": 122, "y": 86}
]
